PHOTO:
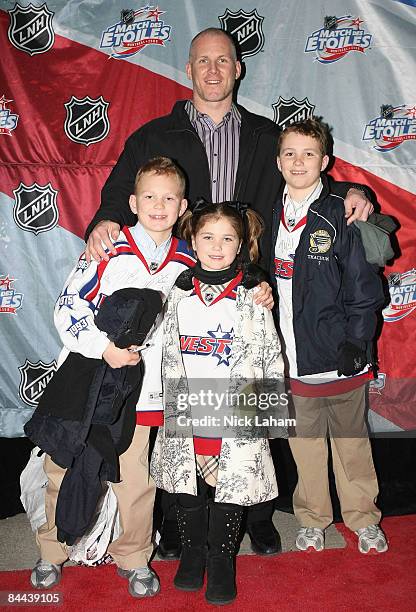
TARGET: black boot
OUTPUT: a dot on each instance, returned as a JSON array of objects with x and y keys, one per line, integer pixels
[
  {"x": 223, "y": 538},
  {"x": 170, "y": 543},
  {"x": 192, "y": 523}
]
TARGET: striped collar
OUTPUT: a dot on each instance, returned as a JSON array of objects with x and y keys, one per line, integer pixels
[{"x": 195, "y": 115}]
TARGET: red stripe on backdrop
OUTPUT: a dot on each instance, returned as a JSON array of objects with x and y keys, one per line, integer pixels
[
  {"x": 397, "y": 400},
  {"x": 39, "y": 150}
]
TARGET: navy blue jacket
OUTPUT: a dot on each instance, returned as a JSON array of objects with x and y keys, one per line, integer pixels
[{"x": 336, "y": 292}]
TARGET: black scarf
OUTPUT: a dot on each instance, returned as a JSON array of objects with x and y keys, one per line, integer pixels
[{"x": 215, "y": 277}]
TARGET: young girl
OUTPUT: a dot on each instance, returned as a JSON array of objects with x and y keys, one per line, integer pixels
[{"x": 215, "y": 339}]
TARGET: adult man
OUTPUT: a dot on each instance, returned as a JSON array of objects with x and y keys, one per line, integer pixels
[{"x": 227, "y": 153}]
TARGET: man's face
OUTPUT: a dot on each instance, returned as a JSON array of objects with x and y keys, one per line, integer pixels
[
  {"x": 301, "y": 162},
  {"x": 158, "y": 203},
  {"x": 212, "y": 69}
]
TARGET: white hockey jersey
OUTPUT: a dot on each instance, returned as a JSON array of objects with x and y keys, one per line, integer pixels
[{"x": 89, "y": 284}]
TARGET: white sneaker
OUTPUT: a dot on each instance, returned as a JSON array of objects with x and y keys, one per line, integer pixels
[
  {"x": 371, "y": 538},
  {"x": 143, "y": 581},
  {"x": 45, "y": 575},
  {"x": 310, "y": 537}
]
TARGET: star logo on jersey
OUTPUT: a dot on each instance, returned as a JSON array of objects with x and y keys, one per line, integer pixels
[
  {"x": 78, "y": 325},
  {"x": 82, "y": 264},
  {"x": 224, "y": 341},
  {"x": 216, "y": 344},
  {"x": 66, "y": 299}
]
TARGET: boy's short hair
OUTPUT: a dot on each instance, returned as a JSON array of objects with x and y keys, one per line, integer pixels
[
  {"x": 163, "y": 166},
  {"x": 314, "y": 127}
]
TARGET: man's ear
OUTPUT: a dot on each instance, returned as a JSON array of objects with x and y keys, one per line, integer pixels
[
  {"x": 237, "y": 70},
  {"x": 183, "y": 206},
  {"x": 278, "y": 163},
  {"x": 188, "y": 70},
  {"x": 133, "y": 203},
  {"x": 325, "y": 162}
]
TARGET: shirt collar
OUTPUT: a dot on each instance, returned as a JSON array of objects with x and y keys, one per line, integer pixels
[
  {"x": 146, "y": 244},
  {"x": 195, "y": 115},
  {"x": 314, "y": 194}
]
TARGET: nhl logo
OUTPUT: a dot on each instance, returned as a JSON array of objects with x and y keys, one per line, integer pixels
[
  {"x": 33, "y": 379},
  {"x": 245, "y": 28},
  {"x": 30, "y": 28},
  {"x": 289, "y": 111},
  {"x": 35, "y": 208},
  {"x": 86, "y": 120}
]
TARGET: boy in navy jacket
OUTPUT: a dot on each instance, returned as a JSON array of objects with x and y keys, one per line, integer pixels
[{"x": 328, "y": 298}]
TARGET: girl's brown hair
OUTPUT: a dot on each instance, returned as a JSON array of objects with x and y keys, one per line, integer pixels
[{"x": 247, "y": 225}]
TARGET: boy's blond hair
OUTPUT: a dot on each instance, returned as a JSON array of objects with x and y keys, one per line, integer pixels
[{"x": 162, "y": 166}]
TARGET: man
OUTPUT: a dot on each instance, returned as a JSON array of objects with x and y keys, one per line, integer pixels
[{"x": 227, "y": 153}]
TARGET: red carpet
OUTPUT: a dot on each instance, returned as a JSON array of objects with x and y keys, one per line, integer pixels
[{"x": 334, "y": 580}]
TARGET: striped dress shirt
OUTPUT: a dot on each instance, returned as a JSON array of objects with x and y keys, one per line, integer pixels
[{"x": 221, "y": 142}]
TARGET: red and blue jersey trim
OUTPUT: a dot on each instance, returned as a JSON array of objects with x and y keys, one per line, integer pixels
[{"x": 229, "y": 292}]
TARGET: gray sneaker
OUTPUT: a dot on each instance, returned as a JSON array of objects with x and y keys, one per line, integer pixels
[
  {"x": 45, "y": 575},
  {"x": 371, "y": 538},
  {"x": 310, "y": 537},
  {"x": 143, "y": 581}
]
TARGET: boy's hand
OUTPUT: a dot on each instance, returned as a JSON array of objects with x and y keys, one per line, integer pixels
[
  {"x": 351, "y": 359},
  {"x": 357, "y": 206},
  {"x": 117, "y": 358},
  {"x": 102, "y": 233},
  {"x": 264, "y": 295}
]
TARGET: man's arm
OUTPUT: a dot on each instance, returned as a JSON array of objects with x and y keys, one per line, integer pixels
[{"x": 357, "y": 200}]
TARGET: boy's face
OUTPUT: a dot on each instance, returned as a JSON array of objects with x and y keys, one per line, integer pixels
[
  {"x": 158, "y": 203},
  {"x": 301, "y": 162}
]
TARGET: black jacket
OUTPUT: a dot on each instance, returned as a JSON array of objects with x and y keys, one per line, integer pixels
[
  {"x": 335, "y": 292},
  {"x": 87, "y": 414},
  {"x": 257, "y": 182}
]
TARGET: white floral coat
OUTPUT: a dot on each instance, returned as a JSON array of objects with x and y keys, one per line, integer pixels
[{"x": 246, "y": 473}]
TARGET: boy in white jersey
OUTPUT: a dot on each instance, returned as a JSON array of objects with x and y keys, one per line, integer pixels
[
  {"x": 146, "y": 255},
  {"x": 328, "y": 298}
]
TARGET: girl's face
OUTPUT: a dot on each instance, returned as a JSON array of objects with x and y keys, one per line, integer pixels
[{"x": 216, "y": 244}]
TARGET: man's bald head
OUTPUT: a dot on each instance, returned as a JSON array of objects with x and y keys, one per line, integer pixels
[{"x": 214, "y": 32}]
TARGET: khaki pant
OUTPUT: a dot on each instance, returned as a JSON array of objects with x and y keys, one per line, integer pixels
[
  {"x": 342, "y": 417},
  {"x": 135, "y": 498}
]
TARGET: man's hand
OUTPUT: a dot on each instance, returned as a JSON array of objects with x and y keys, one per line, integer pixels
[
  {"x": 357, "y": 206},
  {"x": 103, "y": 232},
  {"x": 264, "y": 295},
  {"x": 117, "y": 358}
]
